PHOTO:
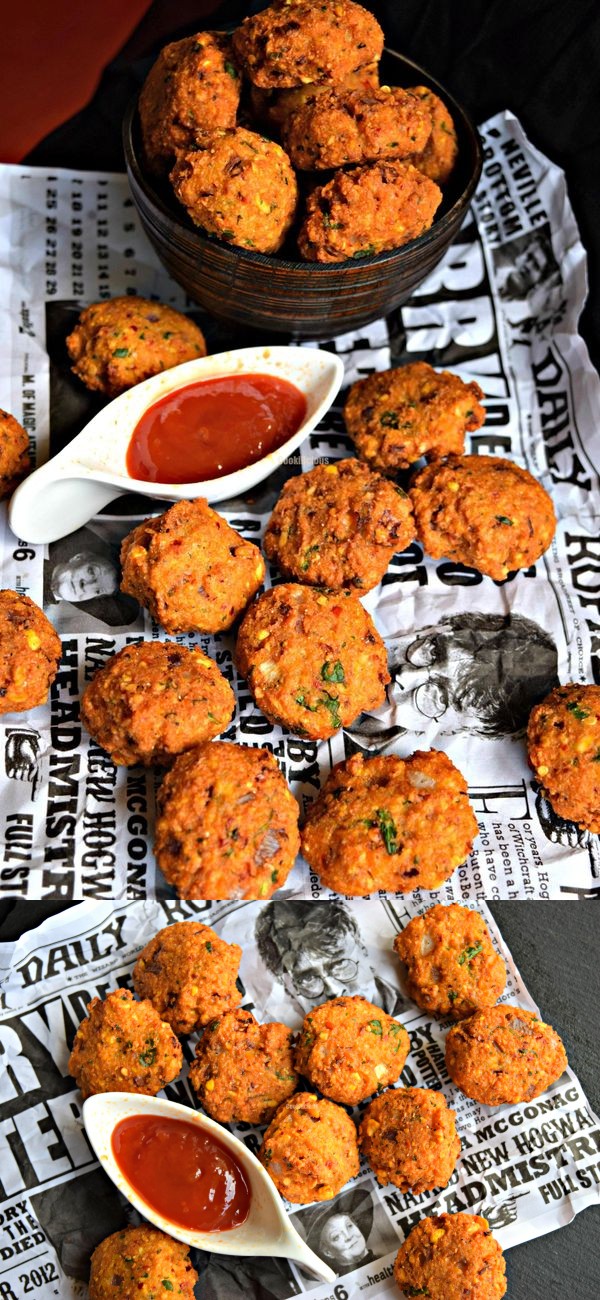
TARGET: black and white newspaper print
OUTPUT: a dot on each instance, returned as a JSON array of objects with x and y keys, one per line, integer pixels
[{"x": 501, "y": 308}]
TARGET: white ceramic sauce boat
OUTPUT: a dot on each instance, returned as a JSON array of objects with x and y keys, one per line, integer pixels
[
  {"x": 267, "y": 1230},
  {"x": 75, "y": 484}
]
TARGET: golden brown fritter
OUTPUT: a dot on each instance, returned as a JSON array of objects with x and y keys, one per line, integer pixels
[
  {"x": 152, "y": 701},
  {"x": 503, "y": 1055},
  {"x": 453, "y": 967},
  {"x": 409, "y": 1138},
  {"x": 294, "y": 44},
  {"x": 563, "y": 746},
  {"x": 312, "y": 658},
  {"x": 338, "y": 526},
  {"x": 191, "y": 91},
  {"x": 441, "y": 151},
  {"x": 243, "y": 1071},
  {"x": 397, "y": 416},
  {"x": 273, "y": 107},
  {"x": 367, "y": 210},
  {"x": 124, "y": 1046},
  {"x": 389, "y": 823},
  {"x": 227, "y": 823},
  {"x": 348, "y": 1048},
  {"x": 141, "y": 1264},
  {"x": 241, "y": 187},
  {"x": 121, "y": 341},
  {"x": 483, "y": 511},
  {"x": 30, "y": 653},
  {"x": 15, "y": 462},
  {"x": 338, "y": 128},
  {"x": 450, "y": 1257},
  {"x": 190, "y": 569},
  {"x": 189, "y": 975},
  {"x": 310, "y": 1149}
]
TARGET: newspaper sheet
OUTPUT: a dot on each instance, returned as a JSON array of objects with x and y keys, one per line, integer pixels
[
  {"x": 528, "y": 1168},
  {"x": 501, "y": 308}
]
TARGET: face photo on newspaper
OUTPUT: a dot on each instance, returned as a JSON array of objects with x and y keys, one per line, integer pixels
[
  {"x": 523, "y": 1165},
  {"x": 473, "y": 672},
  {"x": 469, "y": 656},
  {"x": 82, "y": 576}
]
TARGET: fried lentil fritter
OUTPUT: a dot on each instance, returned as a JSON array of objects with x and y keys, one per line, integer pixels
[
  {"x": 141, "y": 1264},
  {"x": 227, "y": 823},
  {"x": 453, "y": 967},
  {"x": 483, "y": 511},
  {"x": 348, "y": 1048},
  {"x": 440, "y": 153},
  {"x": 503, "y": 1055},
  {"x": 295, "y": 44},
  {"x": 451, "y": 1257},
  {"x": 273, "y": 107},
  {"x": 563, "y": 745},
  {"x": 396, "y": 416},
  {"x": 409, "y": 1138},
  {"x": 241, "y": 187},
  {"x": 152, "y": 701},
  {"x": 338, "y": 526},
  {"x": 190, "y": 569},
  {"x": 337, "y": 128},
  {"x": 312, "y": 658},
  {"x": 367, "y": 210},
  {"x": 389, "y": 823},
  {"x": 191, "y": 91},
  {"x": 121, "y": 341},
  {"x": 189, "y": 975},
  {"x": 15, "y": 462},
  {"x": 30, "y": 653},
  {"x": 243, "y": 1071},
  {"x": 124, "y": 1046},
  {"x": 310, "y": 1149}
]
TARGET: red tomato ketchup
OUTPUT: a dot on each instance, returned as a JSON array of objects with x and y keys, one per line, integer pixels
[
  {"x": 214, "y": 427},
  {"x": 182, "y": 1172}
]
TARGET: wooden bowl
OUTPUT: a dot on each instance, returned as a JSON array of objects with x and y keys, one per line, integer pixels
[{"x": 302, "y": 299}]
